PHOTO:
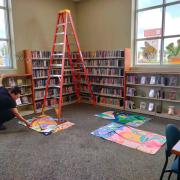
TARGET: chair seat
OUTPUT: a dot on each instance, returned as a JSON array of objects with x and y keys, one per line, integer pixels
[{"x": 174, "y": 166}]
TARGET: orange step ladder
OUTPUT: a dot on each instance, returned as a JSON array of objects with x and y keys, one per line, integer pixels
[{"x": 62, "y": 49}]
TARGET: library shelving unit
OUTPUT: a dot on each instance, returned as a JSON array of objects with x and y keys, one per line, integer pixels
[
  {"x": 26, "y": 103},
  {"x": 153, "y": 93},
  {"x": 37, "y": 63},
  {"x": 106, "y": 73}
]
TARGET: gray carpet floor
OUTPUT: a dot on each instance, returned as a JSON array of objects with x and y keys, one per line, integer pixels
[{"x": 74, "y": 154}]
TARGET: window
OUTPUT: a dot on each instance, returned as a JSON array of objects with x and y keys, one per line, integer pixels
[
  {"x": 157, "y": 32},
  {"x": 5, "y": 36}
]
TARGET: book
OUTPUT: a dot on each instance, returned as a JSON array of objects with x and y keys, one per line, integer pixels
[
  {"x": 151, "y": 107},
  {"x": 172, "y": 81},
  {"x": 152, "y": 80},
  {"x": 11, "y": 82},
  {"x": 151, "y": 93},
  {"x": 143, "y": 80},
  {"x": 172, "y": 95},
  {"x": 19, "y": 82},
  {"x": 24, "y": 100},
  {"x": 18, "y": 102},
  {"x": 142, "y": 105}
]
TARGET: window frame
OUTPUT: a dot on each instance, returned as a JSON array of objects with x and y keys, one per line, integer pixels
[
  {"x": 10, "y": 36},
  {"x": 162, "y": 37}
]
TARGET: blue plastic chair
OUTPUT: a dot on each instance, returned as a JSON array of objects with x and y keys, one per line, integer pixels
[{"x": 172, "y": 137}]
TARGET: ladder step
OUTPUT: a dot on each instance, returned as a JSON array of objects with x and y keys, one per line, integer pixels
[
  {"x": 62, "y": 24},
  {"x": 58, "y": 54},
  {"x": 56, "y": 65},
  {"x": 71, "y": 70},
  {"x": 59, "y": 44},
  {"x": 62, "y": 33},
  {"x": 54, "y": 86},
  {"x": 59, "y": 33},
  {"x": 55, "y": 75}
]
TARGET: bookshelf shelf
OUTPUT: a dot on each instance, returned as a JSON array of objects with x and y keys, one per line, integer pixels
[
  {"x": 110, "y": 85},
  {"x": 102, "y": 58},
  {"x": 153, "y": 85},
  {"x": 155, "y": 99},
  {"x": 105, "y": 67},
  {"x": 106, "y": 75},
  {"x": 163, "y": 86},
  {"x": 140, "y": 111}
]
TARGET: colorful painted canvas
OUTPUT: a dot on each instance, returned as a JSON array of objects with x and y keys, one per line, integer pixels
[
  {"x": 106, "y": 115},
  {"x": 137, "y": 139},
  {"x": 47, "y": 125},
  {"x": 133, "y": 120}
]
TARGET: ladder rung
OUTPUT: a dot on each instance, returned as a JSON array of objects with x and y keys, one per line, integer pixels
[
  {"x": 62, "y": 24},
  {"x": 55, "y": 75},
  {"x": 54, "y": 86},
  {"x": 59, "y": 44},
  {"x": 59, "y": 33},
  {"x": 58, "y": 54},
  {"x": 56, "y": 65},
  {"x": 71, "y": 70},
  {"x": 62, "y": 33}
]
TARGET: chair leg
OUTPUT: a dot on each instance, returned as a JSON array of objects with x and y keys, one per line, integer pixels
[
  {"x": 169, "y": 175},
  {"x": 163, "y": 170}
]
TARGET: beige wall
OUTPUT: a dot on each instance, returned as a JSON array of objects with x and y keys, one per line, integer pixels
[
  {"x": 104, "y": 24},
  {"x": 34, "y": 25},
  {"x": 101, "y": 24}
]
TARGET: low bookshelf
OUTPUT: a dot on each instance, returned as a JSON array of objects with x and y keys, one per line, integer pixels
[
  {"x": 154, "y": 93},
  {"x": 26, "y": 103}
]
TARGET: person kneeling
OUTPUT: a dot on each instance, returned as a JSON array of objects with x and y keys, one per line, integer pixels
[{"x": 8, "y": 108}]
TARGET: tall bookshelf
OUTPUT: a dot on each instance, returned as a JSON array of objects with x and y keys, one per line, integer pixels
[
  {"x": 37, "y": 63},
  {"x": 154, "y": 93},
  {"x": 106, "y": 73},
  {"x": 26, "y": 103}
]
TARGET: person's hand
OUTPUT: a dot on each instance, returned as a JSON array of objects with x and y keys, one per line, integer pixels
[{"x": 28, "y": 124}]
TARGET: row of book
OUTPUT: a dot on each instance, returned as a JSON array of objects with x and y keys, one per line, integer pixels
[
  {"x": 102, "y": 90},
  {"x": 44, "y": 72},
  {"x": 40, "y": 54},
  {"x": 10, "y": 82},
  {"x": 154, "y": 93},
  {"x": 55, "y": 81},
  {"x": 107, "y": 62},
  {"x": 143, "y": 106},
  {"x": 52, "y": 102},
  {"x": 39, "y": 63},
  {"x": 158, "y": 80},
  {"x": 103, "y": 80},
  {"x": 45, "y": 63},
  {"x": 105, "y": 71},
  {"x": 39, "y": 73},
  {"x": 86, "y": 54},
  {"x": 23, "y": 100},
  {"x": 103, "y": 53},
  {"x": 151, "y": 107},
  {"x": 110, "y": 101},
  {"x": 53, "y": 92}
]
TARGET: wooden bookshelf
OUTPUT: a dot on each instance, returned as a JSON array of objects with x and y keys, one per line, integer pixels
[
  {"x": 106, "y": 74},
  {"x": 37, "y": 64},
  {"x": 26, "y": 104},
  {"x": 162, "y": 89},
  {"x": 110, "y": 63}
]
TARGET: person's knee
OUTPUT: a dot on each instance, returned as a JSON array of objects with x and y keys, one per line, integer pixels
[{"x": 7, "y": 115}]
